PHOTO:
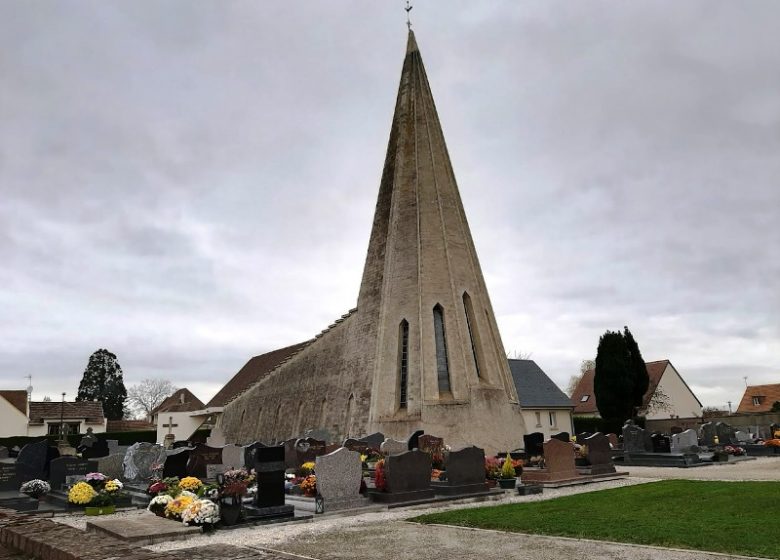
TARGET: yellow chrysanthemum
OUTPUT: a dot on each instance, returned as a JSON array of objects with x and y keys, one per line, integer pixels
[
  {"x": 190, "y": 483},
  {"x": 81, "y": 493},
  {"x": 177, "y": 506}
]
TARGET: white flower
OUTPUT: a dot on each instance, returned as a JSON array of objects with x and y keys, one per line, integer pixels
[
  {"x": 201, "y": 512},
  {"x": 161, "y": 500}
]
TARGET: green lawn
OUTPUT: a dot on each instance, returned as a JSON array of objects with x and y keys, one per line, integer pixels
[{"x": 731, "y": 517}]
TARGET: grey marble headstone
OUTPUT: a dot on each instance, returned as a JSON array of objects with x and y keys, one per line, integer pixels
[
  {"x": 635, "y": 439},
  {"x": 338, "y": 476},
  {"x": 726, "y": 434},
  {"x": 233, "y": 456},
  {"x": 466, "y": 466},
  {"x": 212, "y": 470},
  {"x": 408, "y": 472},
  {"x": 707, "y": 433},
  {"x": 685, "y": 442},
  {"x": 742, "y": 437},
  {"x": 111, "y": 466},
  {"x": 392, "y": 447},
  {"x": 143, "y": 461}
]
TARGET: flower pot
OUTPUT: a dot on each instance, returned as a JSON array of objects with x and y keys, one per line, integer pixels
[
  {"x": 230, "y": 512},
  {"x": 491, "y": 483},
  {"x": 100, "y": 510},
  {"x": 507, "y": 483}
]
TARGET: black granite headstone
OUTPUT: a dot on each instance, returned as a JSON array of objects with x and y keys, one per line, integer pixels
[
  {"x": 201, "y": 456},
  {"x": 269, "y": 466},
  {"x": 707, "y": 434},
  {"x": 60, "y": 469},
  {"x": 374, "y": 440},
  {"x": 565, "y": 437},
  {"x": 179, "y": 444},
  {"x": 176, "y": 462},
  {"x": 99, "y": 448},
  {"x": 308, "y": 449},
  {"x": 414, "y": 440},
  {"x": 249, "y": 452},
  {"x": 356, "y": 445},
  {"x": 9, "y": 481},
  {"x": 466, "y": 466},
  {"x": 582, "y": 436},
  {"x": 408, "y": 472},
  {"x": 599, "y": 453},
  {"x": 533, "y": 444},
  {"x": 636, "y": 439},
  {"x": 32, "y": 461},
  {"x": 661, "y": 443},
  {"x": 726, "y": 434}
]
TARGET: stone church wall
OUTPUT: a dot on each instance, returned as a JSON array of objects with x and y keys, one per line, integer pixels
[{"x": 324, "y": 386}]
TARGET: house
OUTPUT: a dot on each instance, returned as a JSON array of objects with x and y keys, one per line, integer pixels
[
  {"x": 13, "y": 413},
  {"x": 46, "y": 417},
  {"x": 175, "y": 415},
  {"x": 759, "y": 398},
  {"x": 546, "y": 408},
  {"x": 130, "y": 426},
  {"x": 667, "y": 396}
]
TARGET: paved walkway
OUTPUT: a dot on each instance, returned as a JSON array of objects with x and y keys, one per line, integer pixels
[{"x": 763, "y": 468}]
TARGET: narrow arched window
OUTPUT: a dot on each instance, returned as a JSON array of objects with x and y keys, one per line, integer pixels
[
  {"x": 403, "y": 362},
  {"x": 349, "y": 417},
  {"x": 323, "y": 410},
  {"x": 442, "y": 363},
  {"x": 472, "y": 326}
]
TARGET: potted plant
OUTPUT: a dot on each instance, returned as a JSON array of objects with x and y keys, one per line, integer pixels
[
  {"x": 507, "y": 480},
  {"x": 36, "y": 488},
  {"x": 101, "y": 504},
  {"x": 309, "y": 486},
  {"x": 231, "y": 501}
]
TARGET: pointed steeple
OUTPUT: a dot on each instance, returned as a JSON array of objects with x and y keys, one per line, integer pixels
[{"x": 437, "y": 339}]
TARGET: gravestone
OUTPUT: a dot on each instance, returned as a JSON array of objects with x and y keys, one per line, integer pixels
[
  {"x": 774, "y": 431},
  {"x": 707, "y": 434},
  {"x": 99, "y": 448},
  {"x": 599, "y": 454},
  {"x": 582, "y": 436},
  {"x": 661, "y": 443},
  {"x": 534, "y": 444},
  {"x": 635, "y": 439},
  {"x": 88, "y": 440},
  {"x": 726, "y": 434},
  {"x": 113, "y": 446},
  {"x": 353, "y": 444},
  {"x": 563, "y": 436},
  {"x": 373, "y": 440},
  {"x": 431, "y": 444},
  {"x": 465, "y": 473},
  {"x": 407, "y": 478},
  {"x": 64, "y": 467},
  {"x": 249, "y": 452},
  {"x": 613, "y": 440},
  {"x": 685, "y": 442},
  {"x": 290, "y": 454},
  {"x": 176, "y": 462},
  {"x": 558, "y": 464},
  {"x": 269, "y": 503},
  {"x": 201, "y": 456},
  {"x": 33, "y": 461},
  {"x": 318, "y": 433},
  {"x": 339, "y": 475},
  {"x": 143, "y": 461},
  {"x": 111, "y": 466},
  {"x": 214, "y": 469},
  {"x": 9, "y": 481},
  {"x": 233, "y": 456},
  {"x": 742, "y": 437},
  {"x": 413, "y": 441},
  {"x": 392, "y": 447},
  {"x": 3, "y": 452},
  {"x": 308, "y": 449}
]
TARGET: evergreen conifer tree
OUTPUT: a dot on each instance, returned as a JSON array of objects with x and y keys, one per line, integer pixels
[
  {"x": 102, "y": 381},
  {"x": 613, "y": 384},
  {"x": 638, "y": 369}
]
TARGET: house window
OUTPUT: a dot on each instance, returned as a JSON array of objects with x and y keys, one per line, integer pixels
[
  {"x": 403, "y": 362},
  {"x": 442, "y": 363},
  {"x": 757, "y": 401},
  {"x": 70, "y": 428},
  {"x": 553, "y": 421},
  {"x": 538, "y": 419},
  {"x": 584, "y": 398}
]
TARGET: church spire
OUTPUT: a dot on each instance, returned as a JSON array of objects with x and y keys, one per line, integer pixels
[{"x": 422, "y": 272}]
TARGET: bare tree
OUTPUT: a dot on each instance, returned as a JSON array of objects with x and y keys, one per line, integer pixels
[
  {"x": 147, "y": 395},
  {"x": 517, "y": 355},
  {"x": 659, "y": 401},
  {"x": 574, "y": 380}
]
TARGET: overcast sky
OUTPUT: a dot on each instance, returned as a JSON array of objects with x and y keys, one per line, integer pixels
[{"x": 192, "y": 183}]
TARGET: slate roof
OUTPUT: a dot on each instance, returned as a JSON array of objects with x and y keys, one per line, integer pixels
[
  {"x": 18, "y": 399},
  {"x": 767, "y": 394},
  {"x": 655, "y": 371},
  {"x": 91, "y": 411},
  {"x": 174, "y": 402},
  {"x": 254, "y": 370},
  {"x": 534, "y": 388}
]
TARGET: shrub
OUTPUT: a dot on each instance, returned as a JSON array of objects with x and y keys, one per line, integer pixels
[{"x": 507, "y": 470}]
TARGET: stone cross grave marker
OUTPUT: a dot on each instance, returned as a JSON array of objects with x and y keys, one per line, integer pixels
[
  {"x": 143, "y": 461},
  {"x": 599, "y": 454},
  {"x": 534, "y": 444},
  {"x": 338, "y": 478},
  {"x": 392, "y": 447},
  {"x": 64, "y": 467},
  {"x": 685, "y": 442}
]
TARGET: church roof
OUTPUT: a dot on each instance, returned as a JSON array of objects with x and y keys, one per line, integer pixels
[
  {"x": 534, "y": 388},
  {"x": 254, "y": 370}
]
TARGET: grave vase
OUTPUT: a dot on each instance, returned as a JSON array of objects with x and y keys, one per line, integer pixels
[
  {"x": 507, "y": 483},
  {"x": 230, "y": 509}
]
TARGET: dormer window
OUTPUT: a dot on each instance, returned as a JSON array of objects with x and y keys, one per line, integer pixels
[
  {"x": 584, "y": 398},
  {"x": 758, "y": 400}
]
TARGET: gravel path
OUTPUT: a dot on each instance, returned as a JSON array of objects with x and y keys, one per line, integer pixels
[{"x": 763, "y": 468}]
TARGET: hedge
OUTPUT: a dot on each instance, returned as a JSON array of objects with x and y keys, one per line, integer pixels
[
  {"x": 124, "y": 438},
  {"x": 593, "y": 425}
]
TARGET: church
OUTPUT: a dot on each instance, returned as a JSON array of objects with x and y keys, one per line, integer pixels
[{"x": 422, "y": 349}]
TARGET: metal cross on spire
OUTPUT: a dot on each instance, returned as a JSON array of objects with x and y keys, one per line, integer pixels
[{"x": 408, "y": 9}]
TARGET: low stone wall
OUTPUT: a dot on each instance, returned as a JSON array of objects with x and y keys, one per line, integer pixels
[
  {"x": 45, "y": 540},
  {"x": 746, "y": 422}
]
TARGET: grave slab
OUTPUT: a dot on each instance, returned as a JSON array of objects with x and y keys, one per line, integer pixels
[{"x": 143, "y": 529}]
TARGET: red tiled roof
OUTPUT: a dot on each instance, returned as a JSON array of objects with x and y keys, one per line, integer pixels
[
  {"x": 17, "y": 398},
  {"x": 91, "y": 411},
  {"x": 767, "y": 394},
  {"x": 585, "y": 387},
  {"x": 181, "y": 401},
  {"x": 253, "y": 371},
  {"x": 129, "y": 426}
]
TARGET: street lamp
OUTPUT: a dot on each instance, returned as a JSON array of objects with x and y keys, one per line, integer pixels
[{"x": 62, "y": 419}]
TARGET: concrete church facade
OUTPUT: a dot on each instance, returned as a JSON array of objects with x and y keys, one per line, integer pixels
[{"x": 422, "y": 348}]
